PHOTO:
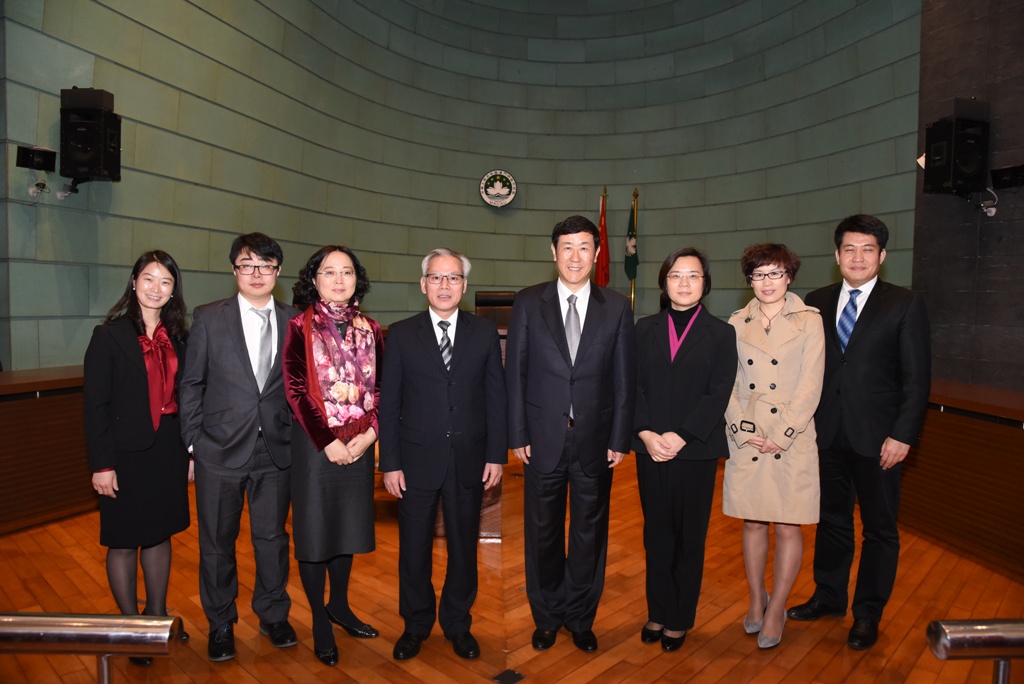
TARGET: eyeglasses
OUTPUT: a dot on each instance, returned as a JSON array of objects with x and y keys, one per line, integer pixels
[
  {"x": 331, "y": 274},
  {"x": 249, "y": 269},
  {"x": 676, "y": 278},
  {"x": 436, "y": 278},
  {"x": 773, "y": 275}
]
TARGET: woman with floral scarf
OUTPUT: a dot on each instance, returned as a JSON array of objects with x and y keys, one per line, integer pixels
[{"x": 331, "y": 352}]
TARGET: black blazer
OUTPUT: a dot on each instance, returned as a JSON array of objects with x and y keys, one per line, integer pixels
[
  {"x": 116, "y": 393},
  {"x": 426, "y": 410},
  {"x": 687, "y": 396},
  {"x": 879, "y": 387},
  {"x": 222, "y": 408},
  {"x": 543, "y": 383}
]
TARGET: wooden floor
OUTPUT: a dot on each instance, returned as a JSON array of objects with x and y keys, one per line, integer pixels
[{"x": 59, "y": 568}]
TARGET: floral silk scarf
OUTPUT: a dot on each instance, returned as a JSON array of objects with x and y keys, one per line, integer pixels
[{"x": 343, "y": 367}]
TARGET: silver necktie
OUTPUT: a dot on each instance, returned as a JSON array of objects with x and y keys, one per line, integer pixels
[{"x": 266, "y": 344}]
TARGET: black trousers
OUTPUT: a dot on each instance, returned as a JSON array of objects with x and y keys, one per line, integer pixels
[
  {"x": 847, "y": 476},
  {"x": 676, "y": 497},
  {"x": 565, "y": 588},
  {"x": 220, "y": 494},
  {"x": 417, "y": 512}
]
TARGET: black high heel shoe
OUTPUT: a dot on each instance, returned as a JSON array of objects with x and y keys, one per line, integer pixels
[
  {"x": 363, "y": 631},
  {"x": 650, "y": 636}
]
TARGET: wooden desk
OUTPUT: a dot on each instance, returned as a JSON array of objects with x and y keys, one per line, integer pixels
[{"x": 44, "y": 471}]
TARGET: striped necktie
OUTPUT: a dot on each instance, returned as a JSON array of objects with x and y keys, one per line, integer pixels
[
  {"x": 847, "y": 320},
  {"x": 446, "y": 344}
]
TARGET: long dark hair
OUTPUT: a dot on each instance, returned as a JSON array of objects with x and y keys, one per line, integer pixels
[
  {"x": 172, "y": 315},
  {"x": 304, "y": 291}
]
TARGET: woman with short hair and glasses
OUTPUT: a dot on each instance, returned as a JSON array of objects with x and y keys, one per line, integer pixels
[
  {"x": 331, "y": 356},
  {"x": 772, "y": 472},
  {"x": 686, "y": 362}
]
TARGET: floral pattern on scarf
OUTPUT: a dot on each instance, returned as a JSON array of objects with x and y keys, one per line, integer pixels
[{"x": 346, "y": 367}]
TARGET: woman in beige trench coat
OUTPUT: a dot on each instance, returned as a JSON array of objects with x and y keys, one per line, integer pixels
[{"x": 772, "y": 472}]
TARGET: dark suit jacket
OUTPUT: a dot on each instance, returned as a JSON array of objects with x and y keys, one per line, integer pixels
[
  {"x": 688, "y": 396},
  {"x": 427, "y": 410},
  {"x": 879, "y": 387},
  {"x": 543, "y": 383},
  {"x": 222, "y": 423},
  {"x": 116, "y": 393}
]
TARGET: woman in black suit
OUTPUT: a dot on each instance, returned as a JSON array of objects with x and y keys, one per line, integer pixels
[
  {"x": 686, "y": 365},
  {"x": 331, "y": 354},
  {"x": 140, "y": 467}
]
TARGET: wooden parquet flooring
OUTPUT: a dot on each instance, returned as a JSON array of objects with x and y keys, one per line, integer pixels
[{"x": 59, "y": 568}]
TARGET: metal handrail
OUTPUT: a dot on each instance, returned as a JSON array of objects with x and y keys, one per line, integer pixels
[
  {"x": 999, "y": 640},
  {"x": 140, "y": 636}
]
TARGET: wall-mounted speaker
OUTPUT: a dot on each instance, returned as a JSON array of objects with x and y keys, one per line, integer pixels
[
  {"x": 90, "y": 135},
  {"x": 956, "y": 156}
]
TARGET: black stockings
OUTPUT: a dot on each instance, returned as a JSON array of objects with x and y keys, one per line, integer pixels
[
  {"x": 122, "y": 574},
  {"x": 314, "y": 577}
]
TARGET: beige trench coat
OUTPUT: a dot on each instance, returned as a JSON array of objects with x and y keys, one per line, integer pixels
[{"x": 777, "y": 389}]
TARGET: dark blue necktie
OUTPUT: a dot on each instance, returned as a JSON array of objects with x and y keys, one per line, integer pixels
[{"x": 847, "y": 319}]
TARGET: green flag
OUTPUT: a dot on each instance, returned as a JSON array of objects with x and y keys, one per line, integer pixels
[{"x": 632, "y": 258}]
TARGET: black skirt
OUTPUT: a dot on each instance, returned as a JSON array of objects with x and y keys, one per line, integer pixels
[
  {"x": 332, "y": 505},
  {"x": 152, "y": 495}
]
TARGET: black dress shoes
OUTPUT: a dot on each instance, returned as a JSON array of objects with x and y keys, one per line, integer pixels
[
  {"x": 464, "y": 645},
  {"x": 140, "y": 662},
  {"x": 327, "y": 656},
  {"x": 183, "y": 636},
  {"x": 814, "y": 609},
  {"x": 222, "y": 643},
  {"x": 669, "y": 643},
  {"x": 363, "y": 631},
  {"x": 281, "y": 633},
  {"x": 585, "y": 641},
  {"x": 408, "y": 645},
  {"x": 543, "y": 639},
  {"x": 863, "y": 634},
  {"x": 650, "y": 636}
]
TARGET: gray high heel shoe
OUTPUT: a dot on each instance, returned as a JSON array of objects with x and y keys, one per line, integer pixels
[
  {"x": 766, "y": 642},
  {"x": 754, "y": 626}
]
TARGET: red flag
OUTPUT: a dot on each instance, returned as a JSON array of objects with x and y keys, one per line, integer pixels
[{"x": 603, "y": 272}]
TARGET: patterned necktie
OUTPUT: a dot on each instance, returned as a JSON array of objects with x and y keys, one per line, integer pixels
[
  {"x": 446, "y": 344},
  {"x": 572, "y": 327},
  {"x": 266, "y": 342},
  {"x": 847, "y": 320}
]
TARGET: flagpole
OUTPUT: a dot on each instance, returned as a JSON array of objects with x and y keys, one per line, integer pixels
[{"x": 632, "y": 283}]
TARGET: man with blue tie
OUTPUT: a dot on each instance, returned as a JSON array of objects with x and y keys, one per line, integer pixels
[
  {"x": 875, "y": 393},
  {"x": 442, "y": 435}
]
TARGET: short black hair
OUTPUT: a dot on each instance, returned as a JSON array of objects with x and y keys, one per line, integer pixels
[
  {"x": 862, "y": 223},
  {"x": 670, "y": 261},
  {"x": 304, "y": 291},
  {"x": 575, "y": 224},
  {"x": 258, "y": 245}
]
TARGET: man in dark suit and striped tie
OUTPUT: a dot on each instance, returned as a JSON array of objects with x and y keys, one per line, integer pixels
[
  {"x": 877, "y": 378},
  {"x": 442, "y": 435}
]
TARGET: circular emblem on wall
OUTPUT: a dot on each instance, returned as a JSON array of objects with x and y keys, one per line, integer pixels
[{"x": 498, "y": 188}]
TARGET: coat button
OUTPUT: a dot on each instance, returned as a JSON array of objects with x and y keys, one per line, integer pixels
[
  {"x": 778, "y": 456},
  {"x": 754, "y": 459},
  {"x": 750, "y": 362},
  {"x": 771, "y": 386},
  {"x": 774, "y": 410},
  {"x": 774, "y": 362},
  {"x": 751, "y": 385}
]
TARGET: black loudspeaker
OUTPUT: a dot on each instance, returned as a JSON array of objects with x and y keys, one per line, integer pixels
[
  {"x": 90, "y": 135},
  {"x": 956, "y": 156}
]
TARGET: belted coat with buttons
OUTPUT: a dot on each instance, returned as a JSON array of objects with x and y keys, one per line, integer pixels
[{"x": 778, "y": 385}]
